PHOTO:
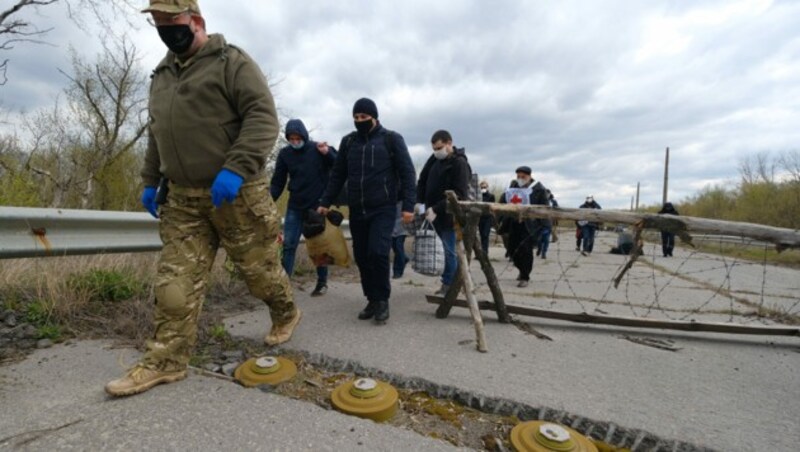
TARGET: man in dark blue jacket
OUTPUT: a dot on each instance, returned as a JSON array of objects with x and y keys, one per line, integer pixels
[
  {"x": 375, "y": 163},
  {"x": 307, "y": 165},
  {"x": 447, "y": 169}
]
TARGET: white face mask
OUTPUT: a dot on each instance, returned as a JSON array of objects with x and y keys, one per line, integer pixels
[
  {"x": 484, "y": 190},
  {"x": 522, "y": 182},
  {"x": 441, "y": 154}
]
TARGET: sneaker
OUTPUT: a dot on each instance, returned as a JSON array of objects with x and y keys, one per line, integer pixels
[
  {"x": 442, "y": 290},
  {"x": 140, "y": 379},
  {"x": 320, "y": 290},
  {"x": 368, "y": 312},
  {"x": 584, "y": 253},
  {"x": 523, "y": 283},
  {"x": 577, "y": 249},
  {"x": 282, "y": 333}
]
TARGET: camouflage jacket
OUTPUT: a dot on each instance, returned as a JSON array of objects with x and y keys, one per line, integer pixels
[{"x": 211, "y": 112}]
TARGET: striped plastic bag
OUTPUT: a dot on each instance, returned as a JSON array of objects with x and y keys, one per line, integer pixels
[{"x": 428, "y": 251}]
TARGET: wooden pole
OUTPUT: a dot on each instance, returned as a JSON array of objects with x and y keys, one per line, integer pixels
[
  {"x": 493, "y": 283},
  {"x": 584, "y": 317},
  {"x": 680, "y": 225},
  {"x": 472, "y": 302},
  {"x": 666, "y": 178},
  {"x": 638, "y": 190}
]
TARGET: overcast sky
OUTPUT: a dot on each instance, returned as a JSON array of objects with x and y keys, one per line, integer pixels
[{"x": 587, "y": 93}]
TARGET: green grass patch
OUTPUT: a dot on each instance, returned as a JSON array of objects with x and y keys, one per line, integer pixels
[{"x": 106, "y": 285}]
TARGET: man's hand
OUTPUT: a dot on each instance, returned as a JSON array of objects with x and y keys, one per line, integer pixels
[
  {"x": 149, "y": 201},
  {"x": 430, "y": 215},
  {"x": 408, "y": 217},
  {"x": 225, "y": 187},
  {"x": 322, "y": 211},
  {"x": 323, "y": 148}
]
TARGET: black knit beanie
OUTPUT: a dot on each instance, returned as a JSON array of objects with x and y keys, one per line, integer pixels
[{"x": 366, "y": 106}]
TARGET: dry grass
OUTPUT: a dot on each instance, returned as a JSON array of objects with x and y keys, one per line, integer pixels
[{"x": 70, "y": 293}]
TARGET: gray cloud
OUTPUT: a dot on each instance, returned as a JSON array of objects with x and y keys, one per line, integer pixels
[{"x": 587, "y": 93}]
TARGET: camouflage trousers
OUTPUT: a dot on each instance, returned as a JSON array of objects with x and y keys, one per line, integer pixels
[{"x": 192, "y": 230}]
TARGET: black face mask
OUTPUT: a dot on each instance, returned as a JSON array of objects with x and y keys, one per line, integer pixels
[
  {"x": 363, "y": 127},
  {"x": 178, "y": 38}
]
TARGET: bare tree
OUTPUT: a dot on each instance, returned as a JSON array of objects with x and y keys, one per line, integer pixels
[
  {"x": 758, "y": 168},
  {"x": 103, "y": 119},
  {"x": 16, "y": 27}
]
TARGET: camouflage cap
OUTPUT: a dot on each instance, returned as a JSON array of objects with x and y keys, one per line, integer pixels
[{"x": 172, "y": 6}]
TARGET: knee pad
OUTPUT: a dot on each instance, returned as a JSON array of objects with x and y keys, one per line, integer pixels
[{"x": 172, "y": 299}]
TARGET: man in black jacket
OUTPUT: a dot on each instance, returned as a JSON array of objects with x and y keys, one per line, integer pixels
[
  {"x": 307, "y": 165},
  {"x": 667, "y": 238},
  {"x": 524, "y": 235},
  {"x": 588, "y": 228},
  {"x": 376, "y": 165},
  {"x": 485, "y": 224},
  {"x": 447, "y": 169}
]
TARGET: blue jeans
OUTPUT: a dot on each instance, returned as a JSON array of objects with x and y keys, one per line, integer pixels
[
  {"x": 544, "y": 243},
  {"x": 372, "y": 240},
  {"x": 292, "y": 229},
  {"x": 400, "y": 259},
  {"x": 448, "y": 237},
  {"x": 588, "y": 237}
]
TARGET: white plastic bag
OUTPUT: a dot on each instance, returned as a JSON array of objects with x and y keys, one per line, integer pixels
[{"x": 428, "y": 251}]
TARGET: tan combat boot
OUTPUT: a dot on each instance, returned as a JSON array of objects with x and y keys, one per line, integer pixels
[
  {"x": 140, "y": 379},
  {"x": 282, "y": 333}
]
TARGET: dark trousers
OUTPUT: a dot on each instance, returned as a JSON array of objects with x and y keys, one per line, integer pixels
[
  {"x": 667, "y": 243},
  {"x": 485, "y": 230},
  {"x": 400, "y": 258},
  {"x": 372, "y": 240},
  {"x": 521, "y": 245},
  {"x": 587, "y": 232}
]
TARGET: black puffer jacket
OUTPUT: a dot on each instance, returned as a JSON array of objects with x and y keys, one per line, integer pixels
[
  {"x": 438, "y": 176},
  {"x": 376, "y": 175}
]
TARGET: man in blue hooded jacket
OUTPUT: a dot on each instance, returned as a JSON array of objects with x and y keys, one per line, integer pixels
[
  {"x": 376, "y": 165},
  {"x": 307, "y": 165}
]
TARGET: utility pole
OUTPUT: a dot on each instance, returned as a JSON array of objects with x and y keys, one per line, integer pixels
[
  {"x": 638, "y": 188},
  {"x": 666, "y": 178},
  {"x": 631, "y": 203}
]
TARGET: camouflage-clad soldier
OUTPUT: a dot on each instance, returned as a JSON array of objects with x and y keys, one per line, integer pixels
[{"x": 212, "y": 124}]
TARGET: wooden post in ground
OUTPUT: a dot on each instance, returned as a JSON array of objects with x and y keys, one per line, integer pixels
[
  {"x": 472, "y": 302},
  {"x": 491, "y": 276}
]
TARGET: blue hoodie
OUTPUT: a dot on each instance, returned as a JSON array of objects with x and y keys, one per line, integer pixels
[{"x": 306, "y": 168}]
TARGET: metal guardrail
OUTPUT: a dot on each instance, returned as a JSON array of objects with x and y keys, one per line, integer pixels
[{"x": 32, "y": 232}]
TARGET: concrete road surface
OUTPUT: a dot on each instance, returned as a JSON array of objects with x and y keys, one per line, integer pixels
[{"x": 728, "y": 393}]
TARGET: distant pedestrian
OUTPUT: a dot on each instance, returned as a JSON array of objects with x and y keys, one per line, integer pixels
[
  {"x": 668, "y": 238},
  {"x": 307, "y": 165},
  {"x": 524, "y": 234},
  {"x": 399, "y": 244},
  {"x": 544, "y": 240},
  {"x": 588, "y": 228},
  {"x": 485, "y": 223}
]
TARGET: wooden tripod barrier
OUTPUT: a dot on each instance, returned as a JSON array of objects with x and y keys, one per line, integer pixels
[{"x": 471, "y": 220}]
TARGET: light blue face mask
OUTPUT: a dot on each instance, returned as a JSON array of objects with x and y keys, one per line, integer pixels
[{"x": 297, "y": 146}]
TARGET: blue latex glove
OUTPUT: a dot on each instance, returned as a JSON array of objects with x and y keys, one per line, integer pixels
[
  {"x": 225, "y": 187},
  {"x": 149, "y": 201}
]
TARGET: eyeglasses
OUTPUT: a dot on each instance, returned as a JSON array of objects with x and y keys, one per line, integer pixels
[{"x": 171, "y": 21}]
